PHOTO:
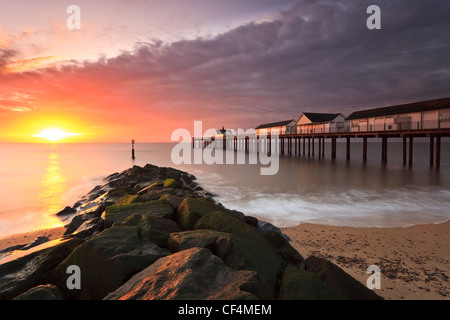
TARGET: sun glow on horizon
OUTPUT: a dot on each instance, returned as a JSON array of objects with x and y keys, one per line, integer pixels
[{"x": 55, "y": 134}]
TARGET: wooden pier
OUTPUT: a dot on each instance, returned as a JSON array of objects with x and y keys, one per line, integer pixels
[{"x": 305, "y": 144}]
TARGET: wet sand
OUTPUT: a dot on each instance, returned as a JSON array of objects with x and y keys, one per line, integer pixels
[
  {"x": 414, "y": 261},
  {"x": 25, "y": 238}
]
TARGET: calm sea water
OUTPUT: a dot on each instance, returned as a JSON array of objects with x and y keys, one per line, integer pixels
[{"x": 38, "y": 180}]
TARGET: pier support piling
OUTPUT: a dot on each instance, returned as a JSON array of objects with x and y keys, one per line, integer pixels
[
  {"x": 411, "y": 151},
  {"x": 431, "y": 152},
  {"x": 348, "y": 148},
  {"x": 438, "y": 152},
  {"x": 333, "y": 148},
  {"x": 365, "y": 149}
]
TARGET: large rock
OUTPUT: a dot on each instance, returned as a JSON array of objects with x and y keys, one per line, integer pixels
[
  {"x": 298, "y": 284},
  {"x": 88, "y": 229},
  {"x": 106, "y": 261},
  {"x": 41, "y": 293},
  {"x": 194, "y": 274},
  {"x": 339, "y": 281},
  {"x": 36, "y": 268},
  {"x": 85, "y": 215},
  {"x": 191, "y": 210},
  {"x": 287, "y": 252},
  {"x": 128, "y": 199},
  {"x": 155, "y": 208},
  {"x": 180, "y": 241},
  {"x": 237, "y": 253},
  {"x": 154, "y": 229},
  {"x": 173, "y": 200}
]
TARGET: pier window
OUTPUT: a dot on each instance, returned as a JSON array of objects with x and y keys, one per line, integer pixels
[{"x": 444, "y": 116}]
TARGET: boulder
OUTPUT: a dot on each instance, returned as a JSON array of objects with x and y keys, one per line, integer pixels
[
  {"x": 33, "y": 269},
  {"x": 170, "y": 183},
  {"x": 345, "y": 286},
  {"x": 180, "y": 241},
  {"x": 227, "y": 222},
  {"x": 173, "y": 200},
  {"x": 191, "y": 210},
  {"x": 88, "y": 229},
  {"x": 156, "y": 193},
  {"x": 84, "y": 216},
  {"x": 236, "y": 252},
  {"x": 298, "y": 284},
  {"x": 154, "y": 229},
  {"x": 66, "y": 211},
  {"x": 194, "y": 274},
  {"x": 155, "y": 208},
  {"x": 128, "y": 199},
  {"x": 287, "y": 252},
  {"x": 106, "y": 261},
  {"x": 41, "y": 293}
]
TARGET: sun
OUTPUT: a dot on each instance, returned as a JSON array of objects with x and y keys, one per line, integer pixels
[{"x": 54, "y": 134}]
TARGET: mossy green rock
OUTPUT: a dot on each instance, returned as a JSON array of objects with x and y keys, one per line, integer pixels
[
  {"x": 192, "y": 209},
  {"x": 108, "y": 260},
  {"x": 155, "y": 208},
  {"x": 128, "y": 199},
  {"x": 118, "y": 192},
  {"x": 170, "y": 183},
  {"x": 288, "y": 253},
  {"x": 180, "y": 241},
  {"x": 226, "y": 222},
  {"x": 154, "y": 229},
  {"x": 173, "y": 200},
  {"x": 156, "y": 193},
  {"x": 298, "y": 284},
  {"x": 338, "y": 280}
]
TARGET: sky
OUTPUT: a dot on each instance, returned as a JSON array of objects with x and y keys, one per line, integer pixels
[{"x": 140, "y": 69}]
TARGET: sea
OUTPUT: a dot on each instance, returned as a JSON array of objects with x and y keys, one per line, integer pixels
[{"x": 39, "y": 180}]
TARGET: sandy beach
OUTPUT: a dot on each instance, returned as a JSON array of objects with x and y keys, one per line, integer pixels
[{"x": 414, "y": 261}]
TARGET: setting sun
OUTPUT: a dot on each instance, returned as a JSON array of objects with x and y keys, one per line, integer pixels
[{"x": 53, "y": 134}]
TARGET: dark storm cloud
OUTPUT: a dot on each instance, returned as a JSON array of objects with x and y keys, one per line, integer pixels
[{"x": 316, "y": 56}]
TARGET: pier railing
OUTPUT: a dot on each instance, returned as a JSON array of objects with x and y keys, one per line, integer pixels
[{"x": 361, "y": 127}]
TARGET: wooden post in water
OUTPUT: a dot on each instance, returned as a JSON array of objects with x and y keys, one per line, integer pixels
[
  {"x": 309, "y": 147},
  {"x": 323, "y": 147},
  {"x": 133, "y": 155},
  {"x": 365, "y": 149},
  {"x": 348, "y": 148},
  {"x": 438, "y": 152},
  {"x": 431, "y": 152},
  {"x": 404, "y": 151},
  {"x": 320, "y": 147},
  {"x": 333, "y": 148},
  {"x": 411, "y": 151}
]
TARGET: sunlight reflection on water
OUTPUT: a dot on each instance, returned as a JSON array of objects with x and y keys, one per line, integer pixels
[{"x": 53, "y": 187}]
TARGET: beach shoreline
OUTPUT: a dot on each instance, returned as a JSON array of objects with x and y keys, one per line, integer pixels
[
  {"x": 414, "y": 261},
  {"x": 26, "y": 237}
]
